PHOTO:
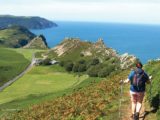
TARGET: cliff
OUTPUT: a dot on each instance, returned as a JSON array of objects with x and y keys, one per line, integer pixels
[{"x": 28, "y": 22}]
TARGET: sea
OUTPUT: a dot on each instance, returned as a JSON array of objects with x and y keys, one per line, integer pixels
[{"x": 141, "y": 40}]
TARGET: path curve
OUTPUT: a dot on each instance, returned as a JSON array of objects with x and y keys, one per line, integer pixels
[{"x": 20, "y": 75}]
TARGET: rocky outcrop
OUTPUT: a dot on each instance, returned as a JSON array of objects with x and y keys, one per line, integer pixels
[
  {"x": 127, "y": 60},
  {"x": 95, "y": 50},
  {"x": 38, "y": 42}
]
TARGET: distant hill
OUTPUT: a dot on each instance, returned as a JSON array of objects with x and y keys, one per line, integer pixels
[
  {"x": 15, "y": 36},
  {"x": 28, "y": 22},
  {"x": 38, "y": 42}
]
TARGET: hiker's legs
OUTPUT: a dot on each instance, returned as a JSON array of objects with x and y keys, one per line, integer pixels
[
  {"x": 138, "y": 107},
  {"x": 133, "y": 107},
  {"x": 140, "y": 97},
  {"x": 134, "y": 101}
]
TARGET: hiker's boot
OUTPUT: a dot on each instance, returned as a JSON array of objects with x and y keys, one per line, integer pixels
[{"x": 136, "y": 116}]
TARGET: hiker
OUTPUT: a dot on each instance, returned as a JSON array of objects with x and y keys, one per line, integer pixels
[{"x": 137, "y": 78}]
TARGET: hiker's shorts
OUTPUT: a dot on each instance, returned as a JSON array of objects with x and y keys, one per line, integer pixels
[{"x": 137, "y": 96}]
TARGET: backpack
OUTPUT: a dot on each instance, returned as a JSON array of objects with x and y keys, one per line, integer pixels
[{"x": 138, "y": 78}]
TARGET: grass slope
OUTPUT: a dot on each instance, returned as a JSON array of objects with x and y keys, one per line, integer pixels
[
  {"x": 97, "y": 101},
  {"x": 40, "y": 84},
  {"x": 153, "y": 91},
  {"x": 15, "y": 36},
  {"x": 11, "y": 64}
]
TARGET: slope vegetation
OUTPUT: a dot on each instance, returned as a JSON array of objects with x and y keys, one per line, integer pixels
[
  {"x": 15, "y": 36},
  {"x": 11, "y": 64},
  {"x": 153, "y": 91},
  {"x": 97, "y": 101}
]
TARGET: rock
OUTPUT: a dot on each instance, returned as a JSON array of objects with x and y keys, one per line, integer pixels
[{"x": 127, "y": 60}]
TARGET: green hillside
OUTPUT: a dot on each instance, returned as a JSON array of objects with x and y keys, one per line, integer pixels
[
  {"x": 28, "y": 22},
  {"x": 15, "y": 36},
  {"x": 96, "y": 101},
  {"x": 153, "y": 91},
  {"x": 11, "y": 64},
  {"x": 94, "y": 59}
]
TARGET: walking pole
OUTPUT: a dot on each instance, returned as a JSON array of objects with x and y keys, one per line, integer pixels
[
  {"x": 120, "y": 101},
  {"x": 150, "y": 90}
]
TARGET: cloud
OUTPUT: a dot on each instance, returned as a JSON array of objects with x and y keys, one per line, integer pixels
[{"x": 136, "y": 12}]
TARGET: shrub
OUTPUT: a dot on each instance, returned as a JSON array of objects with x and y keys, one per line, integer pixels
[
  {"x": 106, "y": 71},
  {"x": 93, "y": 71},
  {"x": 47, "y": 61},
  {"x": 75, "y": 67},
  {"x": 82, "y": 61},
  {"x": 95, "y": 61},
  {"x": 61, "y": 63},
  {"x": 82, "y": 68},
  {"x": 69, "y": 66}
]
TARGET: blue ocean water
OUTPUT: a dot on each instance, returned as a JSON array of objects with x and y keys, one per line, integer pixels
[{"x": 142, "y": 41}]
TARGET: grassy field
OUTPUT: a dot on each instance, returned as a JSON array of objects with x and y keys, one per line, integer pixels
[
  {"x": 40, "y": 84},
  {"x": 95, "y": 101},
  {"x": 11, "y": 64},
  {"x": 27, "y": 53}
]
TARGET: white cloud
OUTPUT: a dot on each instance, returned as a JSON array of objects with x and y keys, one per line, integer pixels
[{"x": 139, "y": 12}]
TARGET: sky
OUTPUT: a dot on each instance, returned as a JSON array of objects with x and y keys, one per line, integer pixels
[{"x": 121, "y": 11}]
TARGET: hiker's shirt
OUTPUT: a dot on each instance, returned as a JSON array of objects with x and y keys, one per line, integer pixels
[{"x": 144, "y": 79}]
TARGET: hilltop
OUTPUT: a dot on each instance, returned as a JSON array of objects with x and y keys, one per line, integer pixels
[
  {"x": 39, "y": 42},
  {"x": 28, "y": 22},
  {"x": 19, "y": 36}
]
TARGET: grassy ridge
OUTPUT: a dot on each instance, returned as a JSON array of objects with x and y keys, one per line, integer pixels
[
  {"x": 153, "y": 91},
  {"x": 96, "y": 101},
  {"x": 11, "y": 64},
  {"x": 40, "y": 84},
  {"x": 15, "y": 36}
]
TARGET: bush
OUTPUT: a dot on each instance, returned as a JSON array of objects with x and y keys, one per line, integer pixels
[
  {"x": 106, "y": 71},
  {"x": 69, "y": 66},
  {"x": 82, "y": 68},
  {"x": 95, "y": 61},
  {"x": 47, "y": 61},
  {"x": 75, "y": 67},
  {"x": 82, "y": 61},
  {"x": 61, "y": 63},
  {"x": 93, "y": 71}
]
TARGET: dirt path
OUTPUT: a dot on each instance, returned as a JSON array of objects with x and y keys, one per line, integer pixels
[
  {"x": 125, "y": 109},
  {"x": 20, "y": 75}
]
